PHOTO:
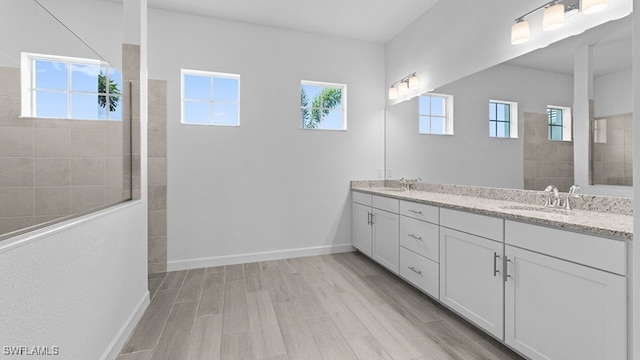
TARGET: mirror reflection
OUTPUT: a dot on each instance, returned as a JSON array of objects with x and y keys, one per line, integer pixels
[{"x": 513, "y": 125}]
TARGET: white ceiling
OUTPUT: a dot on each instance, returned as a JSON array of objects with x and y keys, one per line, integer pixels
[
  {"x": 368, "y": 20},
  {"x": 611, "y": 50}
]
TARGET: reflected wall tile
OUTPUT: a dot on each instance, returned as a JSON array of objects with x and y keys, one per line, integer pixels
[
  {"x": 20, "y": 201},
  {"x": 113, "y": 194},
  {"x": 113, "y": 143},
  {"x": 87, "y": 171},
  {"x": 51, "y": 142},
  {"x": 52, "y": 172},
  {"x": 10, "y": 80},
  {"x": 53, "y": 201},
  {"x": 10, "y": 113},
  {"x": 84, "y": 198},
  {"x": 16, "y": 142},
  {"x": 16, "y": 172},
  {"x": 8, "y": 225},
  {"x": 113, "y": 171}
]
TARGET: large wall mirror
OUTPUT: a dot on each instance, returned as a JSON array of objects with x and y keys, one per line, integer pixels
[
  {"x": 513, "y": 124},
  {"x": 65, "y": 139}
]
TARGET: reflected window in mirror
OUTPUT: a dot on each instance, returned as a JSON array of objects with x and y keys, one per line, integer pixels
[
  {"x": 503, "y": 119},
  {"x": 559, "y": 123},
  {"x": 435, "y": 114},
  {"x": 210, "y": 98},
  {"x": 70, "y": 88}
]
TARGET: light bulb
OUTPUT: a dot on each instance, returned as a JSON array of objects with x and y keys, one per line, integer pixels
[
  {"x": 593, "y": 6},
  {"x": 520, "y": 32},
  {"x": 414, "y": 82},
  {"x": 403, "y": 87},
  {"x": 553, "y": 17},
  {"x": 393, "y": 93}
]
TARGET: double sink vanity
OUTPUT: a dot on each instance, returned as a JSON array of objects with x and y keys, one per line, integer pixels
[{"x": 549, "y": 283}]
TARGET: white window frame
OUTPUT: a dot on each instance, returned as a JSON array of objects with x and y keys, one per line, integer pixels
[
  {"x": 343, "y": 87},
  {"x": 448, "y": 114},
  {"x": 513, "y": 119},
  {"x": 211, "y": 75},
  {"x": 567, "y": 122},
  {"x": 28, "y": 84}
]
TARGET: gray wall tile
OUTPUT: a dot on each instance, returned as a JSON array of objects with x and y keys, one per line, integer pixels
[
  {"x": 16, "y": 172},
  {"x": 87, "y": 171},
  {"x": 157, "y": 197},
  {"x": 19, "y": 202},
  {"x": 87, "y": 143},
  {"x": 157, "y": 171},
  {"x": 10, "y": 114},
  {"x": 84, "y": 198},
  {"x": 157, "y": 143},
  {"x": 16, "y": 142},
  {"x": 8, "y": 225},
  {"x": 53, "y": 201},
  {"x": 157, "y": 249},
  {"x": 113, "y": 171},
  {"x": 158, "y": 223},
  {"x": 10, "y": 80},
  {"x": 51, "y": 142},
  {"x": 52, "y": 171}
]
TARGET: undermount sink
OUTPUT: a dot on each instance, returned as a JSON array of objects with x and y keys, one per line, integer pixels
[{"x": 536, "y": 208}]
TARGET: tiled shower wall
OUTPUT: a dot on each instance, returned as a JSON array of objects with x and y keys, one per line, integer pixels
[
  {"x": 546, "y": 162},
  {"x": 157, "y": 146},
  {"x": 612, "y": 158}
]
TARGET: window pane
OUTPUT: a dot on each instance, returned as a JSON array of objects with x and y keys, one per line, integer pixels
[
  {"x": 555, "y": 116},
  {"x": 225, "y": 114},
  {"x": 52, "y": 75},
  {"x": 437, "y": 106},
  {"x": 437, "y": 125},
  {"x": 85, "y": 78},
  {"x": 423, "y": 105},
  {"x": 332, "y": 120},
  {"x": 115, "y": 76},
  {"x": 556, "y": 133},
  {"x": 197, "y": 87},
  {"x": 331, "y": 98},
  {"x": 51, "y": 104},
  {"x": 492, "y": 111},
  {"x": 225, "y": 89},
  {"x": 493, "y": 132},
  {"x": 502, "y": 112},
  {"x": 311, "y": 92},
  {"x": 305, "y": 117},
  {"x": 424, "y": 126},
  {"x": 84, "y": 106},
  {"x": 503, "y": 129},
  {"x": 116, "y": 114},
  {"x": 197, "y": 112}
]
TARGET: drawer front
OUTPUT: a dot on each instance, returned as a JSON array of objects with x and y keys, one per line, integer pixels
[
  {"x": 420, "y": 271},
  {"x": 385, "y": 203},
  {"x": 361, "y": 198},
  {"x": 480, "y": 225},
  {"x": 420, "y": 211},
  {"x": 594, "y": 251},
  {"x": 420, "y": 237}
]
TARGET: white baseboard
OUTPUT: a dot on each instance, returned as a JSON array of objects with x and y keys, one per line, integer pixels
[
  {"x": 253, "y": 257},
  {"x": 112, "y": 351}
]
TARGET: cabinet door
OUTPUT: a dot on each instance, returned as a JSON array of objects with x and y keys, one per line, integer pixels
[
  {"x": 361, "y": 237},
  {"x": 555, "y": 309},
  {"x": 471, "y": 279},
  {"x": 386, "y": 242}
]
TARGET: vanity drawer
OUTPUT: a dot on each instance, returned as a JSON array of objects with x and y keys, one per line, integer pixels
[
  {"x": 419, "y": 211},
  {"x": 480, "y": 225},
  {"x": 420, "y": 237},
  {"x": 600, "y": 253},
  {"x": 361, "y": 198},
  {"x": 385, "y": 203},
  {"x": 420, "y": 271}
]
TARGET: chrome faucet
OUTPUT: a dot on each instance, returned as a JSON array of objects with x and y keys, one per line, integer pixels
[
  {"x": 571, "y": 194},
  {"x": 552, "y": 191},
  {"x": 406, "y": 183}
]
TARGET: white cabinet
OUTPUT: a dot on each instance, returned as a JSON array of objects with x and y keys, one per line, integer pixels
[
  {"x": 386, "y": 244},
  {"x": 471, "y": 281},
  {"x": 375, "y": 229},
  {"x": 362, "y": 238}
]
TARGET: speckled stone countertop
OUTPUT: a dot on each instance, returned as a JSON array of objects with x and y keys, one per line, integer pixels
[{"x": 601, "y": 223}]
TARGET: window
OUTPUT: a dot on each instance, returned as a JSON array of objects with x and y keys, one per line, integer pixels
[
  {"x": 435, "y": 114},
  {"x": 323, "y": 105},
  {"x": 559, "y": 120},
  {"x": 70, "y": 88},
  {"x": 210, "y": 98},
  {"x": 503, "y": 119}
]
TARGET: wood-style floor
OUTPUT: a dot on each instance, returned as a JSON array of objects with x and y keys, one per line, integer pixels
[{"x": 328, "y": 307}]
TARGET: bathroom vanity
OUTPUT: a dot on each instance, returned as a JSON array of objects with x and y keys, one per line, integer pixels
[{"x": 549, "y": 283}]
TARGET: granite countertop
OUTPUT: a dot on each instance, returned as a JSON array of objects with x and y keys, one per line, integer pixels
[{"x": 591, "y": 222}]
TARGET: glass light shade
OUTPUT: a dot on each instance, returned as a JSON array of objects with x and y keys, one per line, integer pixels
[
  {"x": 553, "y": 17},
  {"x": 393, "y": 93},
  {"x": 414, "y": 82},
  {"x": 403, "y": 88},
  {"x": 593, "y": 6},
  {"x": 520, "y": 32}
]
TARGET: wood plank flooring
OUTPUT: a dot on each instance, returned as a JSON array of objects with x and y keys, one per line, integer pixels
[{"x": 329, "y": 307}]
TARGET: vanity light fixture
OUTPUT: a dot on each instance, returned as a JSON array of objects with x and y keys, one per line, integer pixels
[
  {"x": 409, "y": 82},
  {"x": 553, "y": 17}
]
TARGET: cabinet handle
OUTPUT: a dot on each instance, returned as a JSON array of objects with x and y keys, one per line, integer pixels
[
  {"x": 371, "y": 218},
  {"x": 415, "y": 271},
  {"x": 506, "y": 268},
  {"x": 368, "y": 218},
  {"x": 415, "y": 211},
  {"x": 495, "y": 264},
  {"x": 415, "y": 237}
]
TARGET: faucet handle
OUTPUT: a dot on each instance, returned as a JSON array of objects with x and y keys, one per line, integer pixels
[{"x": 574, "y": 189}]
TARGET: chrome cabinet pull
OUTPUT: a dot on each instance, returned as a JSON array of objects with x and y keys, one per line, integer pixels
[
  {"x": 415, "y": 271},
  {"x": 415, "y": 211},
  {"x": 415, "y": 237},
  {"x": 495, "y": 264},
  {"x": 506, "y": 269},
  {"x": 372, "y": 218},
  {"x": 368, "y": 218}
]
